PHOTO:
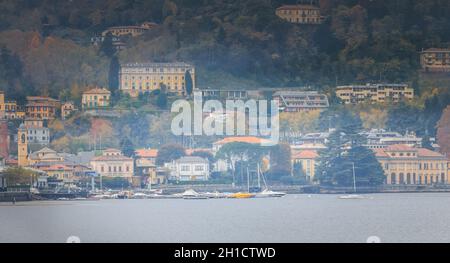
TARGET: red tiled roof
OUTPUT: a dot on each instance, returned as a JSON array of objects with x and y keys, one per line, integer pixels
[
  {"x": 421, "y": 152},
  {"x": 305, "y": 155},
  {"x": 98, "y": 91},
  {"x": 436, "y": 50},
  {"x": 428, "y": 153},
  {"x": 112, "y": 158},
  {"x": 251, "y": 140},
  {"x": 147, "y": 153},
  {"x": 380, "y": 153}
]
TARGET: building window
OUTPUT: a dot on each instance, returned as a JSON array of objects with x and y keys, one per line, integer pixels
[{"x": 199, "y": 168}]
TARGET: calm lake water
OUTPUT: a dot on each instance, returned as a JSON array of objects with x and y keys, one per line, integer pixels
[{"x": 297, "y": 218}]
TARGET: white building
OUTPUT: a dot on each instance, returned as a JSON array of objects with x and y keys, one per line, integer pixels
[
  {"x": 298, "y": 101},
  {"x": 380, "y": 139},
  {"x": 37, "y": 132},
  {"x": 189, "y": 169}
]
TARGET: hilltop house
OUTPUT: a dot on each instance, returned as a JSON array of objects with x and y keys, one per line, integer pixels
[
  {"x": 96, "y": 98},
  {"x": 136, "y": 78},
  {"x": 300, "y": 14},
  {"x": 435, "y": 60},
  {"x": 41, "y": 107}
]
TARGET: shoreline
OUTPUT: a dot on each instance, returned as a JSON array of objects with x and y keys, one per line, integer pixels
[{"x": 68, "y": 201}]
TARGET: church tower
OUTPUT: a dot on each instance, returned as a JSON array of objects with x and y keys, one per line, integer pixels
[{"x": 22, "y": 143}]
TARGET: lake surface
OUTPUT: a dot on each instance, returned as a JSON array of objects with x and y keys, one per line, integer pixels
[{"x": 296, "y": 218}]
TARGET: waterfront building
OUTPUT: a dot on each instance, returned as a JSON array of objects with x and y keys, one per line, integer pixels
[
  {"x": 112, "y": 163},
  {"x": 300, "y": 14},
  {"x": 134, "y": 31},
  {"x": 60, "y": 172},
  {"x": 307, "y": 159},
  {"x": 96, "y": 98},
  {"x": 136, "y": 78},
  {"x": 189, "y": 169},
  {"x": 435, "y": 60},
  {"x": 146, "y": 154},
  {"x": 146, "y": 166},
  {"x": 379, "y": 138},
  {"x": 37, "y": 133},
  {"x": 298, "y": 101},
  {"x": 374, "y": 93},
  {"x": 406, "y": 165},
  {"x": 67, "y": 108},
  {"x": 41, "y": 107}
]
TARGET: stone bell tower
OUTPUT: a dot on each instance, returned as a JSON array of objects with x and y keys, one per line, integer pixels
[{"x": 22, "y": 143}]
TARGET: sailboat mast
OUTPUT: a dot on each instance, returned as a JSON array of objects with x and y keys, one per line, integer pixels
[
  {"x": 354, "y": 177},
  {"x": 248, "y": 181}
]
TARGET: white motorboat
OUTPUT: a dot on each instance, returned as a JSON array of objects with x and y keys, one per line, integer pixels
[
  {"x": 270, "y": 193},
  {"x": 191, "y": 194},
  {"x": 354, "y": 197}
]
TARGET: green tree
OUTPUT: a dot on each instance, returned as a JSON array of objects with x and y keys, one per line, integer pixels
[
  {"x": 107, "y": 47},
  {"x": 169, "y": 152},
  {"x": 127, "y": 147},
  {"x": 113, "y": 78},
  {"x": 161, "y": 100},
  {"x": 189, "y": 83},
  {"x": 280, "y": 162}
]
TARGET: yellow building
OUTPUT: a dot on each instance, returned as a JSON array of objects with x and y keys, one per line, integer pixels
[
  {"x": 9, "y": 109},
  {"x": 374, "y": 93},
  {"x": 307, "y": 159},
  {"x": 41, "y": 107},
  {"x": 59, "y": 171},
  {"x": 145, "y": 77},
  {"x": 67, "y": 108},
  {"x": 96, "y": 98},
  {"x": 405, "y": 165},
  {"x": 2, "y": 105},
  {"x": 300, "y": 14},
  {"x": 113, "y": 164},
  {"x": 435, "y": 60}
]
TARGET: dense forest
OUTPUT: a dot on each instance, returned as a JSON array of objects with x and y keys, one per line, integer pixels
[{"x": 232, "y": 43}]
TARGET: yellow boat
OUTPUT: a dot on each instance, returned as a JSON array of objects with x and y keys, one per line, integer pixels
[{"x": 242, "y": 196}]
